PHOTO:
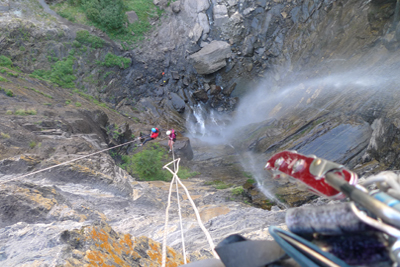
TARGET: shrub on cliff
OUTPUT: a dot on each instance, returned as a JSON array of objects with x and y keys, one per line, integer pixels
[
  {"x": 109, "y": 14},
  {"x": 86, "y": 38},
  {"x": 112, "y": 60},
  {"x": 147, "y": 164},
  {"x": 5, "y": 61}
]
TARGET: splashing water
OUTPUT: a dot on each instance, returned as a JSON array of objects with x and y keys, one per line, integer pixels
[{"x": 252, "y": 165}]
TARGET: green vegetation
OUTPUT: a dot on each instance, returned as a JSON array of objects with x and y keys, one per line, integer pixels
[
  {"x": 22, "y": 48},
  {"x": 237, "y": 191},
  {"x": 15, "y": 75},
  {"x": 9, "y": 112},
  {"x": 247, "y": 175},
  {"x": 112, "y": 60},
  {"x": 218, "y": 184},
  {"x": 84, "y": 37},
  {"x": 109, "y": 16},
  {"x": 67, "y": 102},
  {"x": 24, "y": 112},
  {"x": 2, "y": 71},
  {"x": 8, "y": 92},
  {"x": 4, "y": 135},
  {"x": 2, "y": 79},
  {"x": 5, "y": 61},
  {"x": 185, "y": 173},
  {"x": 147, "y": 164},
  {"x": 250, "y": 181},
  {"x": 32, "y": 144},
  {"x": 78, "y": 104},
  {"x": 40, "y": 92},
  {"x": 61, "y": 73}
]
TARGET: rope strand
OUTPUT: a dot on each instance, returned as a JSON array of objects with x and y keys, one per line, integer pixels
[{"x": 67, "y": 162}]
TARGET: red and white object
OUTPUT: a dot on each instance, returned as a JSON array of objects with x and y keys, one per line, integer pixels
[{"x": 310, "y": 171}]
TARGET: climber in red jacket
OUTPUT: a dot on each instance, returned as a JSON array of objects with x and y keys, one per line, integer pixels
[{"x": 153, "y": 135}]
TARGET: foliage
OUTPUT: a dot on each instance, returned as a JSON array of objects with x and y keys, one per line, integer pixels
[
  {"x": 32, "y": 144},
  {"x": 8, "y": 92},
  {"x": 12, "y": 74},
  {"x": 251, "y": 181},
  {"x": 67, "y": 102},
  {"x": 22, "y": 48},
  {"x": 247, "y": 175},
  {"x": 5, "y": 61},
  {"x": 237, "y": 191},
  {"x": 9, "y": 112},
  {"x": 185, "y": 173},
  {"x": 147, "y": 164},
  {"x": 61, "y": 73},
  {"x": 84, "y": 37},
  {"x": 4, "y": 135},
  {"x": 40, "y": 92},
  {"x": 2, "y": 79},
  {"x": 112, "y": 60},
  {"x": 24, "y": 112},
  {"x": 78, "y": 104},
  {"x": 109, "y": 16},
  {"x": 218, "y": 184}
]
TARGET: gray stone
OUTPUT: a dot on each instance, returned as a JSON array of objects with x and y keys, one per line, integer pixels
[
  {"x": 132, "y": 17},
  {"x": 233, "y": 29},
  {"x": 176, "y": 6},
  {"x": 183, "y": 149},
  {"x": 196, "y": 5},
  {"x": 211, "y": 58},
  {"x": 203, "y": 21},
  {"x": 228, "y": 91},
  {"x": 220, "y": 15},
  {"x": 175, "y": 75},
  {"x": 215, "y": 89},
  {"x": 201, "y": 95},
  {"x": 160, "y": 2},
  {"x": 196, "y": 32},
  {"x": 177, "y": 102},
  {"x": 248, "y": 48}
]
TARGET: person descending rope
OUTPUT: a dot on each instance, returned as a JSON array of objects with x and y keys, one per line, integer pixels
[
  {"x": 172, "y": 138},
  {"x": 153, "y": 135}
]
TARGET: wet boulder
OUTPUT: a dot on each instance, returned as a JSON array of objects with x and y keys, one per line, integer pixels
[
  {"x": 183, "y": 149},
  {"x": 211, "y": 58},
  {"x": 177, "y": 102},
  {"x": 201, "y": 95}
]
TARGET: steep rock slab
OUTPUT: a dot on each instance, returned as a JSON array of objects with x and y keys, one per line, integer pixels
[
  {"x": 211, "y": 58},
  {"x": 100, "y": 245}
]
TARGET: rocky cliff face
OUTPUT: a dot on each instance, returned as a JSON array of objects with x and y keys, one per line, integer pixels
[{"x": 330, "y": 71}]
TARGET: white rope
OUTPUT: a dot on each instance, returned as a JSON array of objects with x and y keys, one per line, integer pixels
[
  {"x": 180, "y": 221},
  {"x": 67, "y": 162},
  {"x": 179, "y": 204},
  {"x": 164, "y": 249},
  {"x": 209, "y": 239}
]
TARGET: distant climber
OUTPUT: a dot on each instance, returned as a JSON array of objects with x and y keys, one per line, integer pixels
[
  {"x": 153, "y": 135},
  {"x": 172, "y": 138}
]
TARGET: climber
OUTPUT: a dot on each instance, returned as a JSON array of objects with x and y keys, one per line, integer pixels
[
  {"x": 154, "y": 133},
  {"x": 172, "y": 138}
]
